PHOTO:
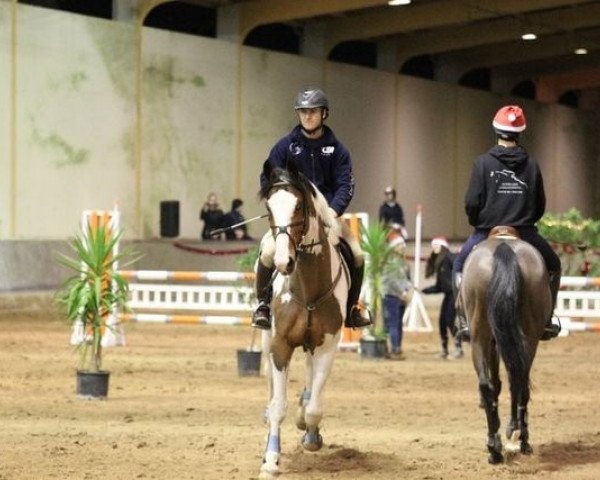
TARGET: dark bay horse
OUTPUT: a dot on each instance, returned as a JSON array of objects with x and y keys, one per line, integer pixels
[
  {"x": 309, "y": 303},
  {"x": 505, "y": 295}
]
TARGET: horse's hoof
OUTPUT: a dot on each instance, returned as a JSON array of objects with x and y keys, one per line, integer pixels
[
  {"x": 312, "y": 441},
  {"x": 526, "y": 449},
  {"x": 495, "y": 458},
  {"x": 270, "y": 465}
]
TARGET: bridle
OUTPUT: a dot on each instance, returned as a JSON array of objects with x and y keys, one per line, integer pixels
[{"x": 286, "y": 229}]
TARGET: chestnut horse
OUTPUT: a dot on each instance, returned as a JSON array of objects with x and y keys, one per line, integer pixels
[
  {"x": 309, "y": 303},
  {"x": 505, "y": 295}
]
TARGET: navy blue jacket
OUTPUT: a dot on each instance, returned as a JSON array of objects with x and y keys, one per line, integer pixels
[
  {"x": 324, "y": 161},
  {"x": 506, "y": 188}
]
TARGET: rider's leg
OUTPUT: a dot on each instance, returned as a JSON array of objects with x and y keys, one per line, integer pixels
[
  {"x": 531, "y": 235},
  {"x": 261, "y": 318},
  {"x": 356, "y": 317},
  {"x": 462, "y": 325},
  {"x": 443, "y": 333}
]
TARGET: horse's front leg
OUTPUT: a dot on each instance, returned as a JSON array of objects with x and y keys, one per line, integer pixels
[
  {"x": 322, "y": 362},
  {"x": 275, "y": 415}
]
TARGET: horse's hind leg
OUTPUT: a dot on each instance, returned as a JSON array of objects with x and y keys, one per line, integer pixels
[
  {"x": 518, "y": 429},
  {"x": 322, "y": 362},
  {"x": 489, "y": 389},
  {"x": 266, "y": 351},
  {"x": 306, "y": 393}
]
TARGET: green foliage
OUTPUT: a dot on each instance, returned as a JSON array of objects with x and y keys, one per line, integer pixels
[
  {"x": 94, "y": 290},
  {"x": 247, "y": 261},
  {"x": 576, "y": 240},
  {"x": 378, "y": 252}
]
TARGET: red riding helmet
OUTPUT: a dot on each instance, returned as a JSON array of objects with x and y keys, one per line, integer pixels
[{"x": 509, "y": 122}]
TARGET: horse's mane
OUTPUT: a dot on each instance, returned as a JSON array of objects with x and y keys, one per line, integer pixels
[{"x": 299, "y": 181}]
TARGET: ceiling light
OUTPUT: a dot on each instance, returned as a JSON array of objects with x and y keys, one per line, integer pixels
[
  {"x": 395, "y": 3},
  {"x": 529, "y": 36},
  {"x": 580, "y": 51}
]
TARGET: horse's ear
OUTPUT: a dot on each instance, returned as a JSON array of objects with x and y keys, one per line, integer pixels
[
  {"x": 292, "y": 167},
  {"x": 268, "y": 169}
]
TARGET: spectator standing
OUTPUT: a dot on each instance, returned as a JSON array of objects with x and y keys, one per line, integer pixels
[
  {"x": 234, "y": 217},
  {"x": 391, "y": 213},
  {"x": 440, "y": 263},
  {"x": 212, "y": 216},
  {"x": 396, "y": 288}
]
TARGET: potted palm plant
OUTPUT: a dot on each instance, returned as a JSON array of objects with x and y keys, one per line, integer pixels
[
  {"x": 374, "y": 242},
  {"x": 249, "y": 359},
  {"x": 89, "y": 297}
]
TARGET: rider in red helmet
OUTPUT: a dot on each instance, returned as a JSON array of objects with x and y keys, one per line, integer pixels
[
  {"x": 506, "y": 188},
  {"x": 326, "y": 162}
]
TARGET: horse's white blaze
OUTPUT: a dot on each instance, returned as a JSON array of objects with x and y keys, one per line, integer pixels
[{"x": 282, "y": 204}]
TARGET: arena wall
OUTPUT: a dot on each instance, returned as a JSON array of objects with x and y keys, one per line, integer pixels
[{"x": 208, "y": 113}]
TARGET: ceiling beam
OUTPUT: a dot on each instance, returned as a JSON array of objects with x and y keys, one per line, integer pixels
[
  {"x": 538, "y": 68},
  {"x": 454, "y": 38},
  {"x": 394, "y": 20},
  {"x": 521, "y": 51},
  {"x": 262, "y": 12}
]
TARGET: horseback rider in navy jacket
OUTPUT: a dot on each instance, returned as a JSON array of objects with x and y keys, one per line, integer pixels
[
  {"x": 506, "y": 188},
  {"x": 323, "y": 159}
]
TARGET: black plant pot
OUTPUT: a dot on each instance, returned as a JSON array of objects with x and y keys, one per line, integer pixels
[
  {"x": 92, "y": 385},
  {"x": 373, "y": 348},
  {"x": 248, "y": 363}
]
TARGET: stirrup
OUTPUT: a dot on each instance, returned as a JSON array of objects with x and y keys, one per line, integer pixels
[
  {"x": 462, "y": 329},
  {"x": 261, "y": 317},
  {"x": 358, "y": 318}
]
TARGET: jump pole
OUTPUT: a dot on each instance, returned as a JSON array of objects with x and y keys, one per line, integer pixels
[{"x": 415, "y": 317}]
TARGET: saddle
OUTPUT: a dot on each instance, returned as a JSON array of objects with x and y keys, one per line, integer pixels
[{"x": 504, "y": 232}]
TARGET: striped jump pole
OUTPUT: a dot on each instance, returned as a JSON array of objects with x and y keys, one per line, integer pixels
[
  {"x": 185, "y": 319},
  {"x": 185, "y": 276},
  {"x": 569, "y": 325},
  {"x": 580, "y": 282}
]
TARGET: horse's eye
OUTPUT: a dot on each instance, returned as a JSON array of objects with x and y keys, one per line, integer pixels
[{"x": 298, "y": 207}]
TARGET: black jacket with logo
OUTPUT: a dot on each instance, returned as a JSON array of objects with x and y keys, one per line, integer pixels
[
  {"x": 324, "y": 161},
  {"x": 506, "y": 188}
]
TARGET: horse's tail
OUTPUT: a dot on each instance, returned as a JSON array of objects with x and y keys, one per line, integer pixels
[{"x": 503, "y": 313}]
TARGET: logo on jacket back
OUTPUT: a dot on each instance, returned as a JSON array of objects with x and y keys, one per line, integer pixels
[
  {"x": 328, "y": 150},
  {"x": 507, "y": 182}
]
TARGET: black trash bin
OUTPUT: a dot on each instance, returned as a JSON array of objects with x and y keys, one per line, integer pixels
[{"x": 169, "y": 218}]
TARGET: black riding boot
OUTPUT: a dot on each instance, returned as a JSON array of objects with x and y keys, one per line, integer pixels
[
  {"x": 462, "y": 324},
  {"x": 261, "y": 318},
  {"x": 552, "y": 329},
  {"x": 356, "y": 316}
]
